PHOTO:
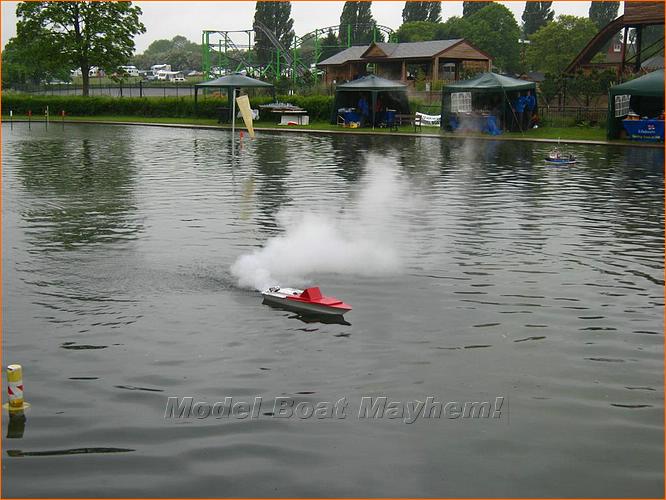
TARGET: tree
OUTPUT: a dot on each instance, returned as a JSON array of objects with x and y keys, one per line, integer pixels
[
  {"x": 554, "y": 45},
  {"x": 329, "y": 46},
  {"x": 417, "y": 31},
  {"x": 422, "y": 11},
  {"x": 82, "y": 34},
  {"x": 470, "y": 8},
  {"x": 536, "y": 15},
  {"x": 19, "y": 66},
  {"x": 603, "y": 12},
  {"x": 357, "y": 23},
  {"x": 587, "y": 88},
  {"x": 453, "y": 27},
  {"x": 179, "y": 52},
  {"x": 495, "y": 31},
  {"x": 276, "y": 16}
]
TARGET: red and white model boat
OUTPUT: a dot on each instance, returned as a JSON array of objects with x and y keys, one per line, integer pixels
[{"x": 308, "y": 301}]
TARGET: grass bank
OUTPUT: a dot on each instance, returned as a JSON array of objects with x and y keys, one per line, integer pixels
[{"x": 552, "y": 133}]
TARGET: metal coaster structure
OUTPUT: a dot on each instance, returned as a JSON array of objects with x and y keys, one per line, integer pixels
[{"x": 228, "y": 51}]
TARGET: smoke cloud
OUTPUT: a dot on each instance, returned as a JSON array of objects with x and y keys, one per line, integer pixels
[{"x": 360, "y": 240}]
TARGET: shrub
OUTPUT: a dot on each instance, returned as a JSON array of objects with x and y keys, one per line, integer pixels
[{"x": 318, "y": 107}]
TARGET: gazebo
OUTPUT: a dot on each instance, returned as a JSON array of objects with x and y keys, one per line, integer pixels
[
  {"x": 488, "y": 90},
  {"x": 231, "y": 83},
  {"x": 645, "y": 97},
  {"x": 383, "y": 94}
]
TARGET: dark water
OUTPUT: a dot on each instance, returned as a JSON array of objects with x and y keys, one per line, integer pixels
[{"x": 541, "y": 285}]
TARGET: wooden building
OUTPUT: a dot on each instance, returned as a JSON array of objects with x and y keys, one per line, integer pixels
[
  {"x": 637, "y": 15},
  {"x": 436, "y": 59}
]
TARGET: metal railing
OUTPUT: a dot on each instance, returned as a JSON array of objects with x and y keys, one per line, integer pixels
[{"x": 569, "y": 116}]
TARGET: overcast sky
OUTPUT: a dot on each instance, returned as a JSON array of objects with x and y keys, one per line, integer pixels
[{"x": 190, "y": 18}]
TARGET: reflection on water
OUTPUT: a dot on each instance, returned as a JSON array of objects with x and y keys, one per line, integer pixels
[
  {"x": 540, "y": 285},
  {"x": 73, "y": 451}
]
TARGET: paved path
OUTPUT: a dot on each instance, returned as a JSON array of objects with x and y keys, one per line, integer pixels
[{"x": 287, "y": 129}]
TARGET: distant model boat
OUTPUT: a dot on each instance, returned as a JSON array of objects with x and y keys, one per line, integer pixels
[
  {"x": 308, "y": 301},
  {"x": 557, "y": 158}
]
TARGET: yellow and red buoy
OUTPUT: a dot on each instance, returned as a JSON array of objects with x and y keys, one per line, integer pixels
[{"x": 16, "y": 403}]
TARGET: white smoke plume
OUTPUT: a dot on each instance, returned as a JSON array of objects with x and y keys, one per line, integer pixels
[{"x": 361, "y": 240}]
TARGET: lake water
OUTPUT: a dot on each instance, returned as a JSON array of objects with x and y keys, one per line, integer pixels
[{"x": 476, "y": 272}]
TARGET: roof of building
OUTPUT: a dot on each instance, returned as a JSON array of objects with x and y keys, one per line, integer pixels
[{"x": 409, "y": 50}]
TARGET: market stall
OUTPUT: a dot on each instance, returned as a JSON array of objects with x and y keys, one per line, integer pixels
[
  {"x": 369, "y": 101},
  {"x": 636, "y": 109},
  {"x": 489, "y": 103}
]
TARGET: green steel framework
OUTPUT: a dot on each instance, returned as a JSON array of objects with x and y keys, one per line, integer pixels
[{"x": 220, "y": 51}]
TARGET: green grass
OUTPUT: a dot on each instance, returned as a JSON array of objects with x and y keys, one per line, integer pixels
[{"x": 554, "y": 133}]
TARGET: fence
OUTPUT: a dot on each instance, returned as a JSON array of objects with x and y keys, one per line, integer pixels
[
  {"x": 120, "y": 90},
  {"x": 569, "y": 116}
]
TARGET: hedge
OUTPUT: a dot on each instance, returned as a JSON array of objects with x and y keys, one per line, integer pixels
[{"x": 318, "y": 107}]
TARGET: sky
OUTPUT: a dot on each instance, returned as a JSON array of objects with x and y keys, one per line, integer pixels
[{"x": 189, "y": 18}]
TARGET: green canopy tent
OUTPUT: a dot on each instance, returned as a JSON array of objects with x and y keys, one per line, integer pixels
[
  {"x": 393, "y": 94},
  {"x": 647, "y": 99},
  {"x": 231, "y": 83},
  {"x": 485, "y": 85}
]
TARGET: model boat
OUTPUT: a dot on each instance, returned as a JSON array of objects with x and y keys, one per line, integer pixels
[
  {"x": 308, "y": 301},
  {"x": 557, "y": 158}
]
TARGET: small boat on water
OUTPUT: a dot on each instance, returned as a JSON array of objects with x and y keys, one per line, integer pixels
[
  {"x": 308, "y": 301},
  {"x": 555, "y": 157}
]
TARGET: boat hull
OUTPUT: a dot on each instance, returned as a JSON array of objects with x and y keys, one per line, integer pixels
[
  {"x": 303, "y": 307},
  {"x": 559, "y": 162}
]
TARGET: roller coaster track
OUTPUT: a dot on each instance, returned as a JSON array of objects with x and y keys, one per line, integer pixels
[
  {"x": 285, "y": 60},
  {"x": 292, "y": 63}
]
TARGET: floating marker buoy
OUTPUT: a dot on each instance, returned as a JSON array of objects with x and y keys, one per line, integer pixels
[{"x": 16, "y": 403}]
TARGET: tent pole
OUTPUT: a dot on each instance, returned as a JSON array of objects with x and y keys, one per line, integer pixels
[
  {"x": 374, "y": 105},
  {"x": 233, "y": 118}
]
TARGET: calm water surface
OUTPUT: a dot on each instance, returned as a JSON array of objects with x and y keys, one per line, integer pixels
[{"x": 542, "y": 285}]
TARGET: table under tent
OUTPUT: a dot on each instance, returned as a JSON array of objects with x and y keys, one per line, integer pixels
[
  {"x": 636, "y": 108},
  {"x": 489, "y": 103},
  {"x": 232, "y": 83},
  {"x": 369, "y": 101}
]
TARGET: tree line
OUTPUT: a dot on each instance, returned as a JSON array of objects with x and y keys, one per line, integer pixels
[{"x": 54, "y": 37}]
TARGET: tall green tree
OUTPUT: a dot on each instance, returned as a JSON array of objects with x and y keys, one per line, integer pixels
[
  {"x": 357, "y": 23},
  {"x": 422, "y": 11},
  {"x": 19, "y": 66},
  {"x": 417, "y": 31},
  {"x": 470, "y": 8},
  {"x": 554, "y": 45},
  {"x": 494, "y": 30},
  {"x": 82, "y": 34},
  {"x": 453, "y": 27},
  {"x": 329, "y": 46},
  {"x": 276, "y": 16},
  {"x": 536, "y": 15},
  {"x": 603, "y": 12}
]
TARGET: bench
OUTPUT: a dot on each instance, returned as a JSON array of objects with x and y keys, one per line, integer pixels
[{"x": 410, "y": 119}]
